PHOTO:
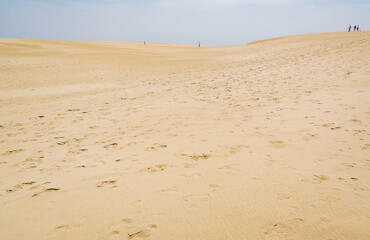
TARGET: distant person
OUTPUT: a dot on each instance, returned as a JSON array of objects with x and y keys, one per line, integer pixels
[
  {"x": 199, "y": 45},
  {"x": 358, "y": 28},
  {"x": 354, "y": 28},
  {"x": 144, "y": 43},
  {"x": 349, "y": 28}
]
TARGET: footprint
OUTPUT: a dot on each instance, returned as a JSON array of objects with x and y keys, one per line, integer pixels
[
  {"x": 325, "y": 219},
  {"x": 150, "y": 148},
  {"x": 155, "y": 147},
  {"x": 358, "y": 132},
  {"x": 111, "y": 145},
  {"x": 366, "y": 146},
  {"x": 214, "y": 187},
  {"x": 155, "y": 168},
  {"x": 20, "y": 186},
  {"x": 348, "y": 165},
  {"x": 283, "y": 196},
  {"x": 320, "y": 178},
  {"x": 188, "y": 165},
  {"x": 358, "y": 121},
  {"x": 63, "y": 227},
  {"x": 231, "y": 168},
  {"x": 140, "y": 233},
  {"x": 63, "y": 142},
  {"x": 85, "y": 166},
  {"x": 283, "y": 230},
  {"x": 237, "y": 148},
  {"x": 195, "y": 199},
  {"x": 167, "y": 191},
  {"x": 190, "y": 175},
  {"x": 202, "y": 156},
  {"x": 277, "y": 144},
  {"x": 13, "y": 151},
  {"x": 354, "y": 183},
  {"x": 105, "y": 183},
  {"x": 328, "y": 125},
  {"x": 77, "y": 151},
  {"x": 46, "y": 190},
  {"x": 309, "y": 137},
  {"x": 127, "y": 220},
  {"x": 132, "y": 143}
]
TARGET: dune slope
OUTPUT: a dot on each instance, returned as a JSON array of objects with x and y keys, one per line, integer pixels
[{"x": 113, "y": 140}]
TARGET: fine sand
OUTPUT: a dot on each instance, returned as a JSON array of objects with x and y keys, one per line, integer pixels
[{"x": 117, "y": 140}]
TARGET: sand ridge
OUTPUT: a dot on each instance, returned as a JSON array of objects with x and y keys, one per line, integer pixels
[{"x": 112, "y": 140}]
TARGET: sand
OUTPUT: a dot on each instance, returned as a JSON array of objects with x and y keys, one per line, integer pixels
[{"x": 117, "y": 140}]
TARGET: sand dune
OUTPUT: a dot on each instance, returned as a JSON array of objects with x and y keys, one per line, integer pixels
[{"x": 115, "y": 140}]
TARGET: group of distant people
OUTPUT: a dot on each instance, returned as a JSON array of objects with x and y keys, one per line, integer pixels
[{"x": 355, "y": 28}]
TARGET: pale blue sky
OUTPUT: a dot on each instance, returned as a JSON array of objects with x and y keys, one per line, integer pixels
[{"x": 211, "y": 22}]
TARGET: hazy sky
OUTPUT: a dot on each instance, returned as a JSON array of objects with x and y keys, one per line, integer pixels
[{"x": 211, "y": 22}]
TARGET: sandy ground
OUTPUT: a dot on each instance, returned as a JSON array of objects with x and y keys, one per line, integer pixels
[{"x": 113, "y": 140}]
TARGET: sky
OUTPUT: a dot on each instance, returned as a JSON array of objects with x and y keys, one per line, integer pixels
[{"x": 211, "y": 22}]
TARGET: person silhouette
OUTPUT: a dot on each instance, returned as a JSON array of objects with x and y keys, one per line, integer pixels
[
  {"x": 199, "y": 44},
  {"x": 349, "y": 28},
  {"x": 354, "y": 28},
  {"x": 358, "y": 28}
]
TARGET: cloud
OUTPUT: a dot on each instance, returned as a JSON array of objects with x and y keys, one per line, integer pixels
[{"x": 225, "y": 3}]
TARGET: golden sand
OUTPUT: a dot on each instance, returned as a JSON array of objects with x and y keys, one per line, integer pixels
[{"x": 114, "y": 140}]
